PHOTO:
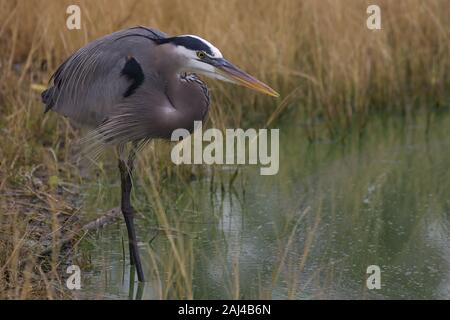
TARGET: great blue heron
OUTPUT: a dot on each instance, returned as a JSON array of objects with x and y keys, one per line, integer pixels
[{"x": 137, "y": 84}]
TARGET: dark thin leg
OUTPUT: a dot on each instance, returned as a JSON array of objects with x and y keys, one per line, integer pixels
[
  {"x": 128, "y": 213},
  {"x": 140, "y": 291}
]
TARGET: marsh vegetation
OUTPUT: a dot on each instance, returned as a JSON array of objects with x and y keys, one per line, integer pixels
[{"x": 363, "y": 119}]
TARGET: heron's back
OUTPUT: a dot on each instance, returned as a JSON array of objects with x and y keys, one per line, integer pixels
[{"x": 96, "y": 78}]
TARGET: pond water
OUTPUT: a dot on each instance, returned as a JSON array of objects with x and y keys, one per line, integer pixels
[{"x": 310, "y": 232}]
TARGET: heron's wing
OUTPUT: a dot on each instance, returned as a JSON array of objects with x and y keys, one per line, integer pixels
[{"x": 95, "y": 79}]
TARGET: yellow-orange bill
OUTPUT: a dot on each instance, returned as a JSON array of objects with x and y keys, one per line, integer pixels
[{"x": 240, "y": 77}]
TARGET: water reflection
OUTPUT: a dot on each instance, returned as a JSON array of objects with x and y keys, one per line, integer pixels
[{"x": 309, "y": 232}]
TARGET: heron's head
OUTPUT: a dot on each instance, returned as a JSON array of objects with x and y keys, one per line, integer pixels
[{"x": 200, "y": 56}]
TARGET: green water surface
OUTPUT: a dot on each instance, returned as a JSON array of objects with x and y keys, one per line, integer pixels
[{"x": 309, "y": 232}]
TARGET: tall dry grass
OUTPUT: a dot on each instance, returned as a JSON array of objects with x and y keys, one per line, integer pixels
[
  {"x": 318, "y": 54},
  {"x": 331, "y": 71}
]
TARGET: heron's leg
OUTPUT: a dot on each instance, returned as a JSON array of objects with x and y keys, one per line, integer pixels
[{"x": 126, "y": 168}]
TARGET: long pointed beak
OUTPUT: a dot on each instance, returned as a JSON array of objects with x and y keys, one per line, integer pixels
[{"x": 237, "y": 76}]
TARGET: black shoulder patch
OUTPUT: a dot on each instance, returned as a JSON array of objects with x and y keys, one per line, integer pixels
[
  {"x": 133, "y": 71},
  {"x": 187, "y": 42},
  {"x": 48, "y": 98}
]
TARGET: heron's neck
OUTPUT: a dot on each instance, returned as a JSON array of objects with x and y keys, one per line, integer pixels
[
  {"x": 186, "y": 95},
  {"x": 188, "y": 102}
]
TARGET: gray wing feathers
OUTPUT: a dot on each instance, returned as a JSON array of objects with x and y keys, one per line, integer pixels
[{"x": 89, "y": 84}]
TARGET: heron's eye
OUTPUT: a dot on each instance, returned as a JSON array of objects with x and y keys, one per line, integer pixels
[{"x": 201, "y": 54}]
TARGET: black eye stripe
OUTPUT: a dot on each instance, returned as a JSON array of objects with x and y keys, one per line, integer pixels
[{"x": 188, "y": 42}]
